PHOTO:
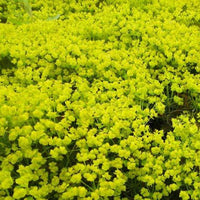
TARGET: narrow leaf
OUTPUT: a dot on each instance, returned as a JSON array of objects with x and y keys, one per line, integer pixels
[
  {"x": 53, "y": 18},
  {"x": 27, "y": 7}
]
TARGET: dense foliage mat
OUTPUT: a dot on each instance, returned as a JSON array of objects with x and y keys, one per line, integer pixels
[{"x": 100, "y": 99}]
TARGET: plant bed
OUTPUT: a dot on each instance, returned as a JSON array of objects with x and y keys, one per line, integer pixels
[{"x": 99, "y": 99}]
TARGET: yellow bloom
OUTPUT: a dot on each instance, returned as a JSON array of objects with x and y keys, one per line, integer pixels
[{"x": 19, "y": 193}]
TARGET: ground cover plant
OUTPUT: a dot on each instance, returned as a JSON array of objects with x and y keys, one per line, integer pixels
[{"x": 99, "y": 99}]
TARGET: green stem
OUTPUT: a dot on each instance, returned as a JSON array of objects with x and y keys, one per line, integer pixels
[
  {"x": 87, "y": 185},
  {"x": 168, "y": 99},
  {"x": 7, "y": 192}
]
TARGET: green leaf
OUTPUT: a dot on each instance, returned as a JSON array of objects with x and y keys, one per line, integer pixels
[
  {"x": 53, "y": 18},
  {"x": 29, "y": 198},
  {"x": 27, "y": 7}
]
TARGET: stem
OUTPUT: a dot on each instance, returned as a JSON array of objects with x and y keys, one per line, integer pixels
[
  {"x": 168, "y": 99},
  {"x": 87, "y": 185},
  {"x": 7, "y": 192}
]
